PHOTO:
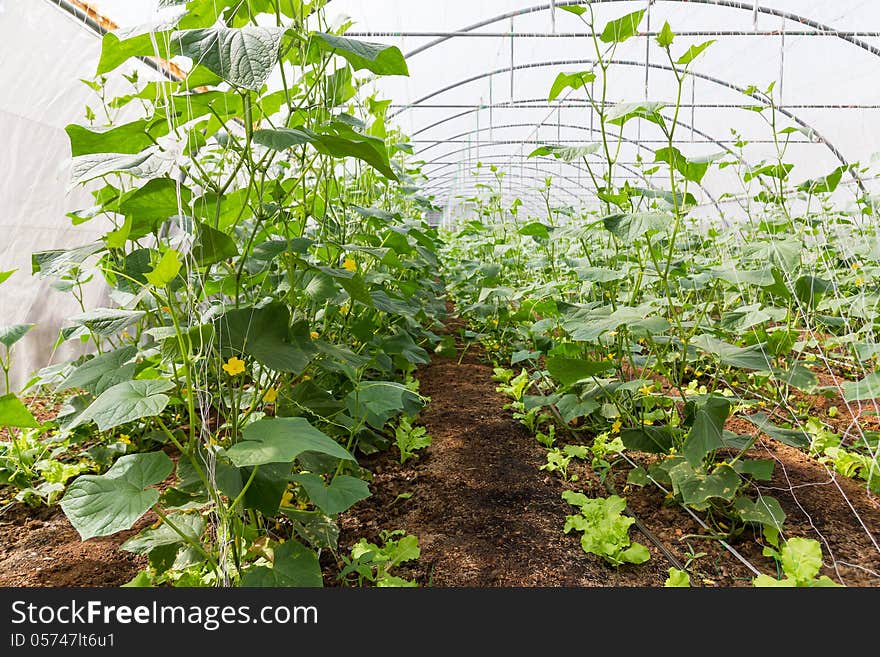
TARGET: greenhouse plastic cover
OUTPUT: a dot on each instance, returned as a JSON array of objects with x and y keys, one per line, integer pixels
[{"x": 478, "y": 96}]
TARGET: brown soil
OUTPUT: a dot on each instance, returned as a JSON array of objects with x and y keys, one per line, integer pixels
[
  {"x": 484, "y": 513},
  {"x": 39, "y": 547}
]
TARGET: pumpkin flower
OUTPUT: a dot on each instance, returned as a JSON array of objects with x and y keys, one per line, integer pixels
[
  {"x": 234, "y": 366},
  {"x": 270, "y": 396},
  {"x": 616, "y": 427},
  {"x": 646, "y": 390},
  {"x": 349, "y": 264}
]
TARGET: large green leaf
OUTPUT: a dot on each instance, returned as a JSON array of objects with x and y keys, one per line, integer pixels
[
  {"x": 566, "y": 153},
  {"x": 281, "y": 440},
  {"x": 572, "y": 81},
  {"x": 621, "y": 113},
  {"x": 280, "y": 139},
  {"x": 128, "y": 138},
  {"x": 9, "y": 335},
  {"x": 570, "y": 370},
  {"x": 126, "y": 402},
  {"x": 294, "y": 565},
  {"x": 697, "y": 489},
  {"x": 630, "y": 226},
  {"x": 15, "y": 414},
  {"x": 867, "y": 388},
  {"x": 191, "y": 524},
  {"x": 379, "y": 401},
  {"x": 654, "y": 440},
  {"x": 754, "y": 357},
  {"x": 152, "y": 204},
  {"x": 242, "y": 56},
  {"x": 692, "y": 170},
  {"x": 707, "y": 430},
  {"x": 765, "y": 510},
  {"x": 166, "y": 269},
  {"x": 107, "y": 321},
  {"x": 103, "y": 371},
  {"x": 791, "y": 437},
  {"x": 376, "y": 57},
  {"x": 212, "y": 246},
  {"x": 621, "y": 29},
  {"x": 140, "y": 165},
  {"x": 266, "y": 335},
  {"x": 810, "y": 290},
  {"x": 340, "y": 140},
  {"x": 113, "y": 502},
  {"x": 342, "y": 493},
  {"x": 693, "y": 52}
]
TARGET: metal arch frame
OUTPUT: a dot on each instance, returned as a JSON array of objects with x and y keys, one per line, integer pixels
[
  {"x": 729, "y": 4},
  {"x": 519, "y": 177},
  {"x": 591, "y": 130},
  {"x": 623, "y": 62}
]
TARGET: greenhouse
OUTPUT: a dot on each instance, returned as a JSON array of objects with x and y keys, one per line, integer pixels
[{"x": 393, "y": 293}]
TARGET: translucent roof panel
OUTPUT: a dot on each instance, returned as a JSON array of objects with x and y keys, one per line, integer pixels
[{"x": 480, "y": 73}]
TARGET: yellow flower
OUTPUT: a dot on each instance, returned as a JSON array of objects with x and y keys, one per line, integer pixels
[
  {"x": 270, "y": 396},
  {"x": 305, "y": 377},
  {"x": 124, "y": 438},
  {"x": 344, "y": 309},
  {"x": 315, "y": 335},
  {"x": 860, "y": 281},
  {"x": 615, "y": 428},
  {"x": 856, "y": 266},
  {"x": 287, "y": 498},
  {"x": 648, "y": 422},
  {"x": 350, "y": 264},
  {"x": 234, "y": 366},
  {"x": 646, "y": 390}
]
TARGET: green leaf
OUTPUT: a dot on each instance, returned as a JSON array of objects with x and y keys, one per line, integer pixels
[
  {"x": 577, "y": 10},
  {"x": 706, "y": 433},
  {"x": 630, "y": 226},
  {"x": 280, "y": 139},
  {"x": 572, "y": 81},
  {"x": 697, "y": 489},
  {"x": 15, "y": 414},
  {"x": 379, "y": 401},
  {"x": 129, "y": 138},
  {"x": 341, "y": 140},
  {"x": 621, "y": 29},
  {"x": 754, "y": 357},
  {"x": 810, "y": 290},
  {"x": 294, "y": 565},
  {"x": 566, "y": 153},
  {"x": 318, "y": 529},
  {"x": 244, "y": 57},
  {"x": 824, "y": 184},
  {"x": 103, "y": 371},
  {"x": 342, "y": 493},
  {"x": 152, "y": 204},
  {"x": 378, "y": 58},
  {"x": 666, "y": 36},
  {"x": 9, "y": 335},
  {"x": 621, "y": 113},
  {"x": 653, "y": 440},
  {"x": 88, "y": 167},
  {"x": 693, "y": 171},
  {"x": 4, "y": 275},
  {"x": 113, "y": 502},
  {"x": 760, "y": 469},
  {"x": 107, "y": 322},
  {"x": 867, "y": 388},
  {"x": 191, "y": 524},
  {"x": 212, "y": 246},
  {"x": 693, "y": 52},
  {"x": 265, "y": 334},
  {"x": 790, "y": 437},
  {"x": 801, "y": 559},
  {"x": 166, "y": 269},
  {"x": 677, "y": 578},
  {"x": 765, "y": 510},
  {"x": 281, "y": 440},
  {"x": 569, "y": 370},
  {"x": 126, "y": 402},
  {"x": 115, "y": 51}
]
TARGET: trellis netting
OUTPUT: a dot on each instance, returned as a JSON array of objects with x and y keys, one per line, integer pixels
[{"x": 477, "y": 98}]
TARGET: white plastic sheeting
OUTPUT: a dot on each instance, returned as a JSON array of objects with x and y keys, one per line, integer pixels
[{"x": 472, "y": 99}]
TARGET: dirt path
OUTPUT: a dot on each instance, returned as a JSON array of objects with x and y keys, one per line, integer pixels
[{"x": 484, "y": 512}]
